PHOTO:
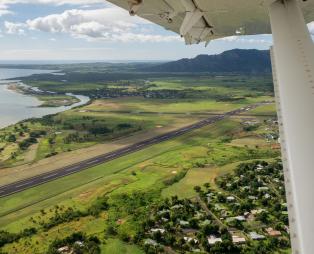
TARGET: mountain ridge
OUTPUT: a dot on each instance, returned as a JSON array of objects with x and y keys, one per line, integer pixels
[{"x": 235, "y": 60}]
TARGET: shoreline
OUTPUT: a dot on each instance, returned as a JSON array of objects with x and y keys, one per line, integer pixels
[
  {"x": 39, "y": 108},
  {"x": 47, "y": 99}
]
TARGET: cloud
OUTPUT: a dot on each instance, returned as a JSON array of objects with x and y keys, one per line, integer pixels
[
  {"x": 5, "y": 4},
  {"x": 14, "y": 28},
  {"x": 53, "y": 2},
  {"x": 4, "y": 9},
  {"x": 105, "y": 24},
  {"x": 245, "y": 39}
]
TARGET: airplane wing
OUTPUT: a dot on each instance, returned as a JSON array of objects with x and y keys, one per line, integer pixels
[{"x": 203, "y": 20}]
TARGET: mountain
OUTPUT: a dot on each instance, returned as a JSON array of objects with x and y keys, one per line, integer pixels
[{"x": 236, "y": 60}]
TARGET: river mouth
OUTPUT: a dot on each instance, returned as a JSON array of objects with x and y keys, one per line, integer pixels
[{"x": 16, "y": 107}]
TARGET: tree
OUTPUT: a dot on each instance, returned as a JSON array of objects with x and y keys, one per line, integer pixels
[
  {"x": 11, "y": 138},
  {"x": 207, "y": 185},
  {"x": 197, "y": 189}
]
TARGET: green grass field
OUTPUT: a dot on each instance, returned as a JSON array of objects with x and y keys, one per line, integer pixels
[
  {"x": 146, "y": 170},
  {"x": 171, "y": 168}
]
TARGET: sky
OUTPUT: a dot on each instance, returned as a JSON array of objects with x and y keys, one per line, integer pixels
[{"x": 95, "y": 30}]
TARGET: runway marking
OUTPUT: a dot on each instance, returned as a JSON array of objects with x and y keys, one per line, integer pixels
[
  {"x": 21, "y": 185},
  {"x": 72, "y": 168},
  {"x": 45, "y": 177},
  {"x": 92, "y": 162}
]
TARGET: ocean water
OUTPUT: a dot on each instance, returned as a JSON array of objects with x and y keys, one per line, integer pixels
[{"x": 15, "y": 107}]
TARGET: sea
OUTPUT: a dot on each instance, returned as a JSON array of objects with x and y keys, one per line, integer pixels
[{"x": 15, "y": 107}]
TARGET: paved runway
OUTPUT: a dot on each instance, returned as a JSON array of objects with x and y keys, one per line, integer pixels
[{"x": 72, "y": 169}]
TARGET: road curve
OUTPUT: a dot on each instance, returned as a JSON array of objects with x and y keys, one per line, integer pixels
[{"x": 28, "y": 183}]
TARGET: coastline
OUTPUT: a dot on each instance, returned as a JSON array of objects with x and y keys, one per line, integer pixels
[
  {"x": 47, "y": 99},
  {"x": 24, "y": 105}
]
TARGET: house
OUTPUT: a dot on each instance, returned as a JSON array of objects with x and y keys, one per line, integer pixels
[
  {"x": 238, "y": 239},
  {"x": 272, "y": 232},
  {"x": 155, "y": 230},
  {"x": 64, "y": 249},
  {"x": 163, "y": 212},
  {"x": 254, "y": 212},
  {"x": 190, "y": 239},
  {"x": 184, "y": 223},
  {"x": 176, "y": 207},
  {"x": 259, "y": 167},
  {"x": 240, "y": 218},
  {"x": 267, "y": 196},
  {"x": 252, "y": 198},
  {"x": 230, "y": 199},
  {"x": 260, "y": 189},
  {"x": 255, "y": 236},
  {"x": 213, "y": 239},
  {"x": 79, "y": 243},
  {"x": 150, "y": 242},
  {"x": 247, "y": 214}
]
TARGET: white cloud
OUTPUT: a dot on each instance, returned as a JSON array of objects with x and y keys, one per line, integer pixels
[
  {"x": 5, "y": 4},
  {"x": 106, "y": 24},
  {"x": 4, "y": 9},
  {"x": 54, "y": 2},
  {"x": 14, "y": 28},
  {"x": 246, "y": 39}
]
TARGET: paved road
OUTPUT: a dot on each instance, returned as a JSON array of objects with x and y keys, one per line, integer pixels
[{"x": 72, "y": 169}]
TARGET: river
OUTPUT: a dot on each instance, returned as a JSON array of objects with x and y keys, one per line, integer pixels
[{"x": 15, "y": 107}]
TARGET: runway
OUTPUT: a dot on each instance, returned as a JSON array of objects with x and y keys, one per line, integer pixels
[{"x": 28, "y": 183}]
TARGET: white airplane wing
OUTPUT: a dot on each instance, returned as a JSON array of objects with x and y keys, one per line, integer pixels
[
  {"x": 293, "y": 65},
  {"x": 204, "y": 20}
]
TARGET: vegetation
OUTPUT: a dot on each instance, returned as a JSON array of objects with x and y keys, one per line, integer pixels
[
  {"x": 149, "y": 103},
  {"x": 246, "y": 214},
  {"x": 75, "y": 243},
  {"x": 111, "y": 201},
  {"x": 170, "y": 197}
]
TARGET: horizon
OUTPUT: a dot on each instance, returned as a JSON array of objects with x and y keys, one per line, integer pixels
[{"x": 111, "y": 61}]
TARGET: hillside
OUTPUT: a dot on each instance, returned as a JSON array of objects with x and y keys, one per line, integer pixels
[{"x": 236, "y": 60}]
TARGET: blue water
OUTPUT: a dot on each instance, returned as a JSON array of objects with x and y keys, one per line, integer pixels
[{"x": 15, "y": 107}]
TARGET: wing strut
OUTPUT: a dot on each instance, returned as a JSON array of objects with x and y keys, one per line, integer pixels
[{"x": 293, "y": 64}]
